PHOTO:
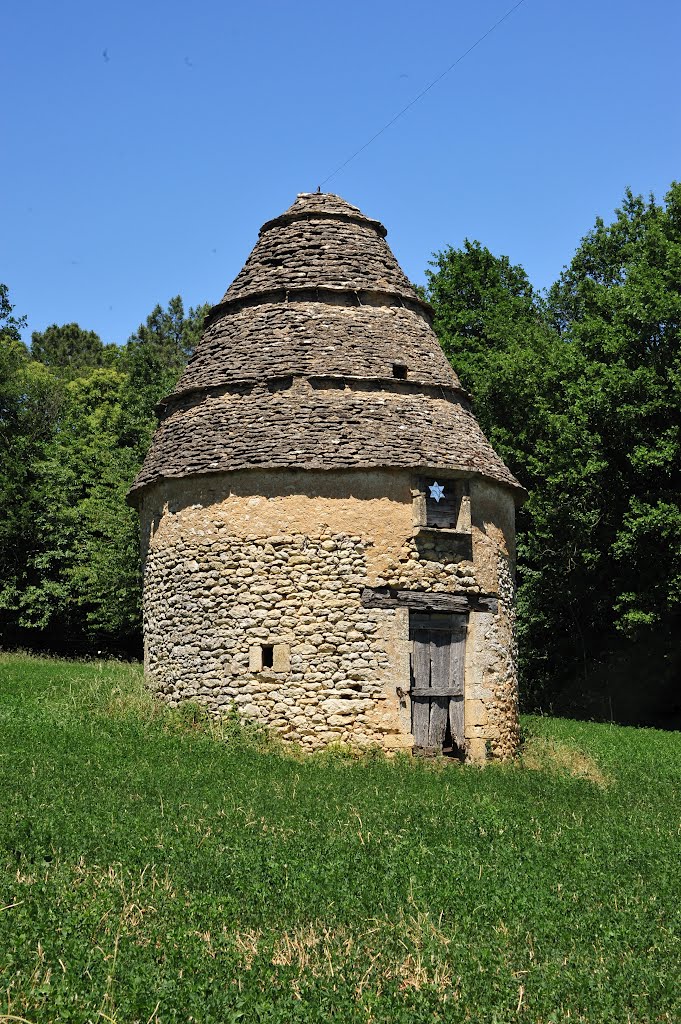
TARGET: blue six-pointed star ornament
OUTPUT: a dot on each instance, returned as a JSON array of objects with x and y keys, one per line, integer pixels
[{"x": 437, "y": 491}]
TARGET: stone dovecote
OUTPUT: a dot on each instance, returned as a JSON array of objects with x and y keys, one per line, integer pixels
[{"x": 296, "y": 565}]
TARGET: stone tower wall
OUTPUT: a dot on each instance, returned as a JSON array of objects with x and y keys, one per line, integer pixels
[
  {"x": 284, "y": 564},
  {"x": 234, "y": 562}
]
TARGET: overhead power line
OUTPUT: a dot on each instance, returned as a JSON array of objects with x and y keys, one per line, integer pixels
[{"x": 423, "y": 93}]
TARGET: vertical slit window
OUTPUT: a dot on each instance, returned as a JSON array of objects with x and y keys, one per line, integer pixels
[{"x": 268, "y": 656}]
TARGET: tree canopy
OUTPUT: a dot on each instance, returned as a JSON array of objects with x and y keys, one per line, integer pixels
[
  {"x": 76, "y": 417},
  {"x": 70, "y": 350},
  {"x": 579, "y": 391}
]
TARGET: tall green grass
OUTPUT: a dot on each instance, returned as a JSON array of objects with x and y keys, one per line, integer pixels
[{"x": 157, "y": 867}]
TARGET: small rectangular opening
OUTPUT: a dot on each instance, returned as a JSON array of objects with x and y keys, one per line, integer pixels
[
  {"x": 442, "y": 504},
  {"x": 400, "y": 371},
  {"x": 267, "y": 655},
  {"x": 279, "y": 384}
]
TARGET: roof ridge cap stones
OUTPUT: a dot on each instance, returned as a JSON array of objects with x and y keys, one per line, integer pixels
[
  {"x": 321, "y": 242},
  {"x": 315, "y": 206}
]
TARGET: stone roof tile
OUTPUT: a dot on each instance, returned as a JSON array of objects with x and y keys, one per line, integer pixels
[
  {"x": 316, "y": 427},
  {"x": 330, "y": 252},
  {"x": 302, "y": 362},
  {"x": 304, "y": 338}
]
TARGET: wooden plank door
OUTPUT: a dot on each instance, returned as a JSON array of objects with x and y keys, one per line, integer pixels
[{"x": 437, "y": 666}]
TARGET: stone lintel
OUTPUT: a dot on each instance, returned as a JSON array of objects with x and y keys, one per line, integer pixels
[{"x": 388, "y": 597}]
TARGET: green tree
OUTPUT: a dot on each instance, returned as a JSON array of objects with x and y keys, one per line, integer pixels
[
  {"x": 75, "y": 426},
  {"x": 580, "y": 395},
  {"x": 619, "y": 304},
  {"x": 87, "y": 570},
  {"x": 154, "y": 358},
  {"x": 30, "y": 403},
  {"x": 168, "y": 334},
  {"x": 10, "y": 326},
  {"x": 70, "y": 350}
]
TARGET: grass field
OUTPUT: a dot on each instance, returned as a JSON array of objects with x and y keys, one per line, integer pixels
[{"x": 160, "y": 869}]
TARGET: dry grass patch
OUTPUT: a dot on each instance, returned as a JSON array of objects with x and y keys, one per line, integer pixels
[
  {"x": 411, "y": 952},
  {"x": 545, "y": 754}
]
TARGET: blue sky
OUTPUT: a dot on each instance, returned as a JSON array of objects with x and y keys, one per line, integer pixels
[{"x": 145, "y": 142}]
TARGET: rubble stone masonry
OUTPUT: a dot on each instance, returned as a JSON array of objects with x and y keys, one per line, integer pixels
[{"x": 237, "y": 564}]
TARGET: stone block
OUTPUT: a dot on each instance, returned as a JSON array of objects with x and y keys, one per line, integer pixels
[
  {"x": 330, "y": 736},
  {"x": 340, "y": 706},
  {"x": 282, "y": 658},
  {"x": 397, "y": 741},
  {"x": 304, "y": 649},
  {"x": 477, "y": 751},
  {"x": 483, "y": 693}
]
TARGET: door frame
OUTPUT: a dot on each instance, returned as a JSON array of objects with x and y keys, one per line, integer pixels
[{"x": 437, "y": 679}]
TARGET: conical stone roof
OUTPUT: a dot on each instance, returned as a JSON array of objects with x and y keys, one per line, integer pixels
[{"x": 321, "y": 355}]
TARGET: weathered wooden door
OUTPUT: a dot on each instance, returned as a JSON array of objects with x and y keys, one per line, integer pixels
[{"x": 438, "y": 643}]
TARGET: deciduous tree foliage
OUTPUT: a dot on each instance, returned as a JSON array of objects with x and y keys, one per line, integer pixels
[
  {"x": 30, "y": 400},
  {"x": 579, "y": 391},
  {"x": 619, "y": 304},
  {"x": 75, "y": 424}
]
